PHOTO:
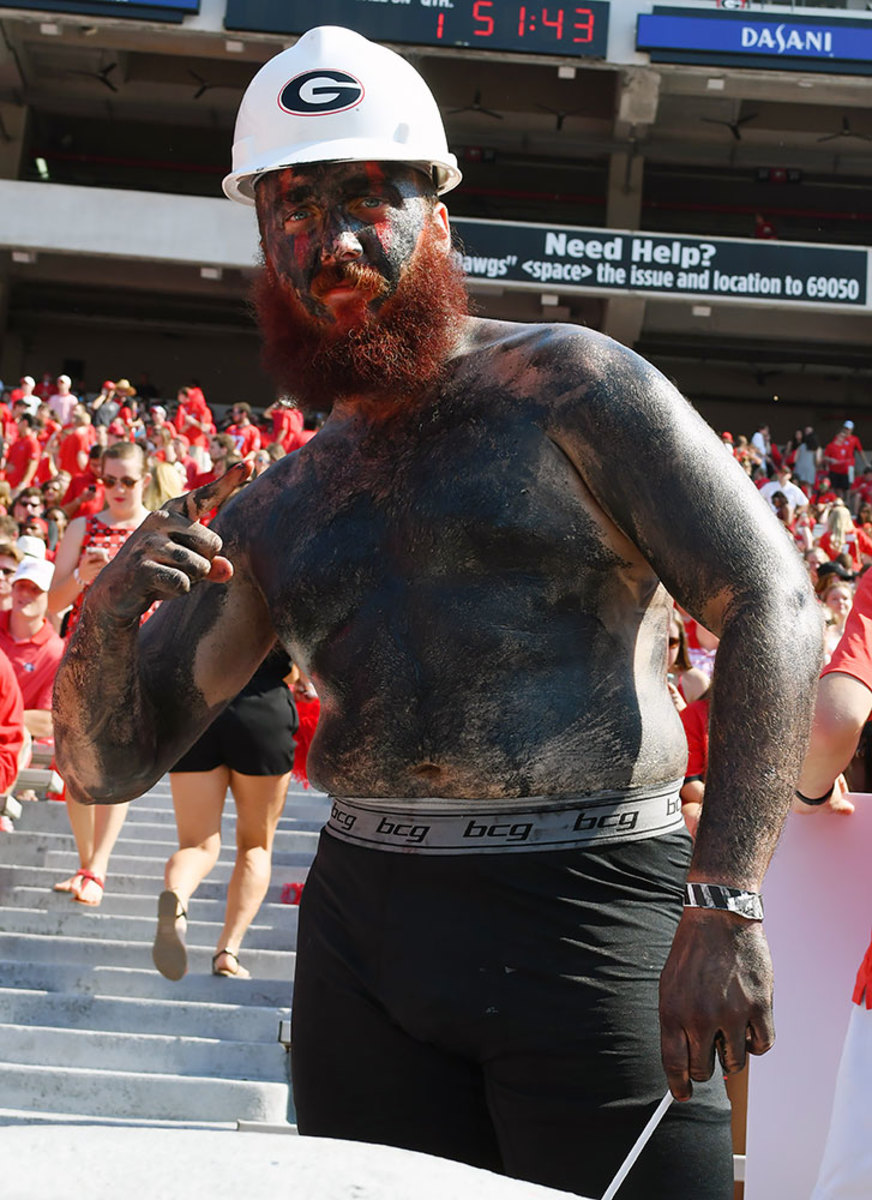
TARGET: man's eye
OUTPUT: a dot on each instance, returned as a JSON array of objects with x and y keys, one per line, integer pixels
[
  {"x": 296, "y": 215},
  {"x": 372, "y": 202}
]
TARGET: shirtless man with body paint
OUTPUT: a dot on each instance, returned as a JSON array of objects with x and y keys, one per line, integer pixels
[{"x": 474, "y": 560}]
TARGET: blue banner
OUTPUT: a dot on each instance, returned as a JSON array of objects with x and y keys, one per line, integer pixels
[
  {"x": 155, "y": 10},
  {"x": 680, "y": 36}
]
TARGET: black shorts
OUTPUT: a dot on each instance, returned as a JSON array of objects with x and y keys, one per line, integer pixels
[
  {"x": 254, "y": 736},
  {"x": 841, "y": 480},
  {"x": 501, "y": 1010}
]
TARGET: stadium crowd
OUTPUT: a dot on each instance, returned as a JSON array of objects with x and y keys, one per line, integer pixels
[{"x": 77, "y": 476}]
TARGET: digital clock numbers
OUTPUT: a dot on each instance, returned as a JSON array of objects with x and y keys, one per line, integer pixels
[
  {"x": 578, "y": 25},
  {"x": 561, "y": 29}
]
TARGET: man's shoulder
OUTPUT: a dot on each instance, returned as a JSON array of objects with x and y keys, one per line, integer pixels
[
  {"x": 484, "y": 335},
  {"x": 552, "y": 361}
]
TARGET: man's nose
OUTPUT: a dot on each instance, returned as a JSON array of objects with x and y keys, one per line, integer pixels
[{"x": 340, "y": 245}]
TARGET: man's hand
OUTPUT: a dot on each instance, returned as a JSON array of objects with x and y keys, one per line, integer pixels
[
  {"x": 170, "y": 551},
  {"x": 715, "y": 994}
]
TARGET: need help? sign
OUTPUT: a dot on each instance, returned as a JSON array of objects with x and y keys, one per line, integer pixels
[{"x": 559, "y": 258}]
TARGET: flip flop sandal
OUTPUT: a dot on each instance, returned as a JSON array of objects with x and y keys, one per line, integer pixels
[
  {"x": 169, "y": 952},
  {"x": 68, "y": 885},
  {"x": 89, "y": 877},
  {"x": 238, "y": 972}
]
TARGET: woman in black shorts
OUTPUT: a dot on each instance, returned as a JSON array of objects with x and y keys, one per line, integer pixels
[{"x": 250, "y": 749}]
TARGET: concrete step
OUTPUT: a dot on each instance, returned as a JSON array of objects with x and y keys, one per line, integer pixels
[
  {"x": 144, "y": 982},
  {"x": 271, "y": 914},
  {"x": 25, "y": 847},
  {"x": 158, "y": 1097},
  {"x": 132, "y": 882},
  {"x": 99, "y": 950},
  {"x": 37, "y": 778},
  {"x": 68, "y": 860},
  {"x": 68, "y": 919},
  {"x": 120, "y": 1014},
  {"x": 157, "y": 823},
  {"x": 143, "y": 1053},
  {"x": 88, "y": 1027}
]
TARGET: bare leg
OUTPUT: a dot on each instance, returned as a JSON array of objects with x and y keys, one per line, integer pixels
[
  {"x": 259, "y": 803},
  {"x": 82, "y": 824},
  {"x": 198, "y": 800},
  {"x": 107, "y": 821}
]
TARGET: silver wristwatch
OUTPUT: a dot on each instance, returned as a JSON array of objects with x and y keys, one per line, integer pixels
[{"x": 729, "y": 899}]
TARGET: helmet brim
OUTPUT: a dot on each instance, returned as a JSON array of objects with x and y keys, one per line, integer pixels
[{"x": 240, "y": 185}]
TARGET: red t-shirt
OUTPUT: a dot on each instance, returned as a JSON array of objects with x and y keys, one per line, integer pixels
[
  {"x": 246, "y": 438},
  {"x": 695, "y": 718},
  {"x": 11, "y": 724},
  {"x": 286, "y": 423},
  {"x": 863, "y": 488},
  {"x": 200, "y": 412},
  {"x": 856, "y": 543},
  {"x": 20, "y": 455},
  {"x": 93, "y": 504},
  {"x": 828, "y": 497},
  {"x": 853, "y": 656},
  {"x": 76, "y": 441},
  {"x": 841, "y": 452},
  {"x": 34, "y": 661}
]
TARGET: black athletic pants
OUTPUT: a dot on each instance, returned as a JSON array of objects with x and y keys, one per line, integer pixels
[{"x": 501, "y": 1010}]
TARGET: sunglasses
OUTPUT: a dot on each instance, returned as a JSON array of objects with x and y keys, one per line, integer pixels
[{"x": 111, "y": 481}]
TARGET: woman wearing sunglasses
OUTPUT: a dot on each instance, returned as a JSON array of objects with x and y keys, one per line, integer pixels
[
  {"x": 87, "y": 545},
  {"x": 686, "y": 682}
]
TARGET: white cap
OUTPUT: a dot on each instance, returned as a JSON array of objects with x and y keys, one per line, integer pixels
[
  {"x": 31, "y": 547},
  {"x": 336, "y": 97},
  {"x": 65, "y": 379},
  {"x": 848, "y": 425},
  {"x": 28, "y": 379},
  {"x": 38, "y": 571}
]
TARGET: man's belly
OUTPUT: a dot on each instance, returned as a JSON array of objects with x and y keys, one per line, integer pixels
[{"x": 537, "y": 738}]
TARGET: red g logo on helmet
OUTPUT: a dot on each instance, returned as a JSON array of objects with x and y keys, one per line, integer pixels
[{"x": 317, "y": 93}]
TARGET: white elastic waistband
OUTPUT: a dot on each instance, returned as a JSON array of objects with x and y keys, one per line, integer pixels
[{"x": 443, "y": 826}]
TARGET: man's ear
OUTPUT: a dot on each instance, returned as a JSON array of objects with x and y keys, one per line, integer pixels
[{"x": 440, "y": 220}]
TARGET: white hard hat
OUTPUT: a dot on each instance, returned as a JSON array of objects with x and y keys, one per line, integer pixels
[{"x": 337, "y": 97}]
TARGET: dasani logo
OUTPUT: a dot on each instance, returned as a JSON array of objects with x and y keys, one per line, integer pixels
[{"x": 806, "y": 41}]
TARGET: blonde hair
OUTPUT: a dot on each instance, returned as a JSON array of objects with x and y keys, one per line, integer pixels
[
  {"x": 165, "y": 484},
  {"x": 839, "y": 524}
]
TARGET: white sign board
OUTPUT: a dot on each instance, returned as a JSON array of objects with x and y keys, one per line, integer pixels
[{"x": 818, "y": 896}]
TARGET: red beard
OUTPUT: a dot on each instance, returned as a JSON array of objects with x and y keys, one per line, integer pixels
[{"x": 400, "y": 350}]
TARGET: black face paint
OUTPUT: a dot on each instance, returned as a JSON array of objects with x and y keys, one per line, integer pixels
[{"x": 339, "y": 235}]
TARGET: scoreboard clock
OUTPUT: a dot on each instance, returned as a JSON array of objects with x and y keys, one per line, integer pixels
[{"x": 579, "y": 30}]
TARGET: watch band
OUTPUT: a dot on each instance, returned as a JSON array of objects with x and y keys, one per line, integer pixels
[{"x": 729, "y": 899}]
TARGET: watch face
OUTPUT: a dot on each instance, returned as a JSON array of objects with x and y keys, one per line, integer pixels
[{"x": 747, "y": 904}]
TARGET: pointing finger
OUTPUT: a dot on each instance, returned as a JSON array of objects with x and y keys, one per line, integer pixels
[{"x": 195, "y": 505}]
